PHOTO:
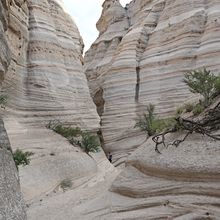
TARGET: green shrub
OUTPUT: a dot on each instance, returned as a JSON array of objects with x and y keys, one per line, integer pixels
[
  {"x": 180, "y": 110},
  {"x": 198, "y": 109},
  {"x": 145, "y": 123},
  {"x": 3, "y": 100},
  {"x": 65, "y": 184},
  {"x": 152, "y": 125},
  {"x": 204, "y": 83},
  {"x": 89, "y": 143},
  {"x": 85, "y": 140},
  {"x": 22, "y": 158},
  {"x": 217, "y": 86},
  {"x": 188, "y": 107},
  {"x": 67, "y": 132}
]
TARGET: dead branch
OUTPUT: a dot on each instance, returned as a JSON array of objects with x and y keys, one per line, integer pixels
[{"x": 190, "y": 127}]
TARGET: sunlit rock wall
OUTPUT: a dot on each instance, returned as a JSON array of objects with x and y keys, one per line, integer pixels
[
  {"x": 140, "y": 57},
  {"x": 41, "y": 64},
  {"x": 45, "y": 80},
  {"x": 11, "y": 201}
]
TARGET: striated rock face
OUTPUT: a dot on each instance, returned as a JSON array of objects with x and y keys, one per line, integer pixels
[
  {"x": 41, "y": 63},
  {"x": 45, "y": 78},
  {"x": 11, "y": 201},
  {"x": 140, "y": 57},
  {"x": 181, "y": 183}
]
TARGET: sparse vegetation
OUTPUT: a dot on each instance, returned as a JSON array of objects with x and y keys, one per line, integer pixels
[
  {"x": 208, "y": 85},
  {"x": 66, "y": 183},
  {"x": 188, "y": 107},
  {"x": 203, "y": 82},
  {"x": 198, "y": 109},
  {"x": 21, "y": 157},
  {"x": 89, "y": 143},
  {"x": 3, "y": 100},
  {"x": 67, "y": 132},
  {"x": 152, "y": 125},
  {"x": 85, "y": 140},
  {"x": 217, "y": 86}
]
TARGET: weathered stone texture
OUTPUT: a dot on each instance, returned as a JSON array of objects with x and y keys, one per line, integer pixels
[
  {"x": 140, "y": 57},
  {"x": 41, "y": 63},
  {"x": 11, "y": 201}
]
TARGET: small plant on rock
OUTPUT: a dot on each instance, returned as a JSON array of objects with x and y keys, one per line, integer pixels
[
  {"x": 67, "y": 132},
  {"x": 66, "y": 183},
  {"x": 204, "y": 83},
  {"x": 3, "y": 100},
  {"x": 151, "y": 124},
  {"x": 86, "y": 141},
  {"x": 145, "y": 123},
  {"x": 89, "y": 143},
  {"x": 22, "y": 158},
  {"x": 198, "y": 109}
]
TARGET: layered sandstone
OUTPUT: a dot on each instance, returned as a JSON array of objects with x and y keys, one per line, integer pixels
[
  {"x": 41, "y": 64},
  {"x": 11, "y": 201},
  {"x": 45, "y": 80},
  {"x": 140, "y": 57}
]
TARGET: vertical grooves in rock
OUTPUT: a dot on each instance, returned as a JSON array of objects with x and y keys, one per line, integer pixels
[
  {"x": 137, "y": 89},
  {"x": 146, "y": 31}
]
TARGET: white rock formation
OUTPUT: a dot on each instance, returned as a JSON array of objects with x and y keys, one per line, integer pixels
[
  {"x": 140, "y": 57},
  {"x": 41, "y": 63},
  {"x": 11, "y": 201}
]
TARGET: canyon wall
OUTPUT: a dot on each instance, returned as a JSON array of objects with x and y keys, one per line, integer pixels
[
  {"x": 41, "y": 74},
  {"x": 11, "y": 201},
  {"x": 140, "y": 57},
  {"x": 45, "y": 80}
]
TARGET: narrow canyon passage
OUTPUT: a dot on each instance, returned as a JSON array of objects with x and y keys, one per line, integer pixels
[{"x": 140, "y": 57}]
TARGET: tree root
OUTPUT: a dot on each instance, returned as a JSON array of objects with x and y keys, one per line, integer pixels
[{"x": 201, "y": 127}]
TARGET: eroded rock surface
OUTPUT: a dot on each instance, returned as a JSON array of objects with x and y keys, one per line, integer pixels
[
  {"x": 11, "y": 201},
  {"x": 41, "y": 64},
  {"x": 140, "y": 57},
  {"x": 180, "y": 183}
]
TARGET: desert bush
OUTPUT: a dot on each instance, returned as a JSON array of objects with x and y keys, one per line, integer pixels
[
  {"x": 198, "y": 109},
  {"x": 3, "y": 100},
  {"x": 89, "y": 143},
  {"x": 203, "y": 82},
  {"x": 67, "y": 132},
  {"x": 86, "y": 141},
  {"x": 217, "y": 86},
  {"x": 152, "y": 125},
  {"x": 188, "y": 107},
  {"x": 66, "y": 183},
  {"x": 145, "y": 122},
  {"x": 22, "y": 158}
]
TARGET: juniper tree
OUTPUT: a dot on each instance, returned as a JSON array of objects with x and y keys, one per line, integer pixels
[{"x": 202, "y": 82}]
